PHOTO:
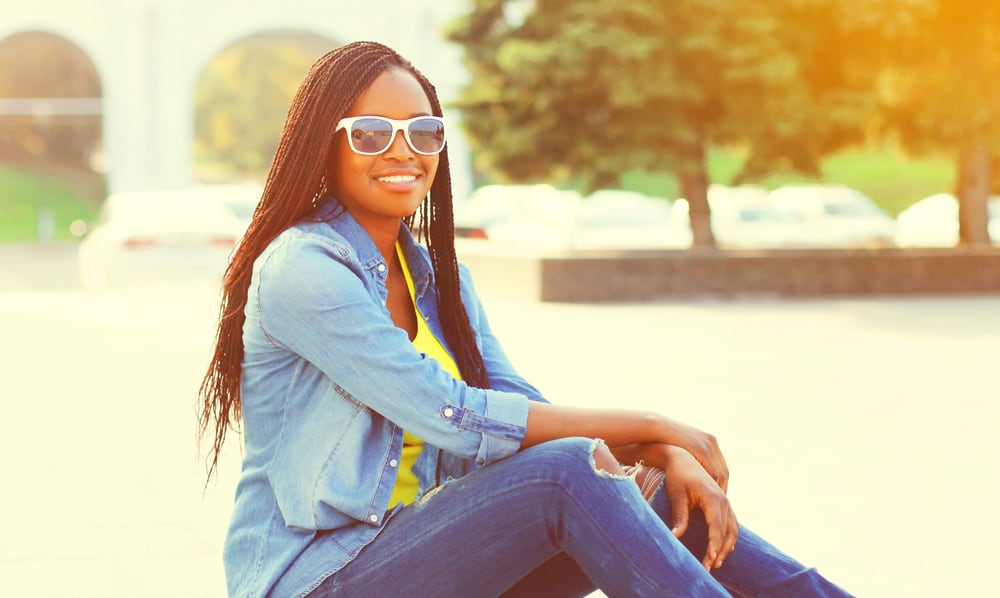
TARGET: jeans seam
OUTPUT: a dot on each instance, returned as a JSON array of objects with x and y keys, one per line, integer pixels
[{"x": 736, "y": 592}]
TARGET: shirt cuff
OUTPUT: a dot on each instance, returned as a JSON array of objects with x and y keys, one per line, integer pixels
[{"x": 501, "y": 425}]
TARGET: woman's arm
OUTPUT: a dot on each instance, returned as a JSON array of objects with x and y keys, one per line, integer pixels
[
  {"x": 618, "y": 428},
  {"x": 624, "y": 428}
]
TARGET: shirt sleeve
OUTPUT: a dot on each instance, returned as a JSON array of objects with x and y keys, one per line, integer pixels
[{"x": 316, "y": 306}]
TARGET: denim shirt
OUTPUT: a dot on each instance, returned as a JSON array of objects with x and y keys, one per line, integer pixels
[{"x": 329, "y": 384}]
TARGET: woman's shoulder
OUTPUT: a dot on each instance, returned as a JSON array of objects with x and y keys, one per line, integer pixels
[
  {"x": 307, "y": 239},
  {"x": 308, "y": 253}
]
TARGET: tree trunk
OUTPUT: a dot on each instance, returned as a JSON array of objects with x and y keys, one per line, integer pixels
[
  {"x": 973, "y": 193},
  {"x": 694, "y": 188}
]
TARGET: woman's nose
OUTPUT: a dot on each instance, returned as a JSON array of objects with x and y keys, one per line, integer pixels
[{"x": 399, "y": 148}]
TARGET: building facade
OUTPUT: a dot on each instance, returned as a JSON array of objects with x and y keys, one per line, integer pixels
[{"x": 149, "y": 55}]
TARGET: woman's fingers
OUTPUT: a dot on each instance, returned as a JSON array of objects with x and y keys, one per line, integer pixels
[
  {"x": 680, "y": 510},
  {"x": 723, "y": 530},
  {"x": 716, "y": 534},
  {"x": 732, "y": 534},
  {"x": 688, "y": 487}
]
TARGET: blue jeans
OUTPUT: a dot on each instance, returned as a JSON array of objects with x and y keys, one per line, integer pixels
[{"x": 545, "y": 523}]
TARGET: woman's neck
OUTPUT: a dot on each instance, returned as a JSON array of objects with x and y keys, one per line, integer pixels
[{"x": 386, "y": 243}]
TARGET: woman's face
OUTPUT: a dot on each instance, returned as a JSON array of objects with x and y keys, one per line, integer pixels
[{"x": 379, "y": 190}]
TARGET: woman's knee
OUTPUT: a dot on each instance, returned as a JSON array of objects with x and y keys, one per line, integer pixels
[
  {"x": 572, "y": 452},
  {"x": 604, "y": 462}
]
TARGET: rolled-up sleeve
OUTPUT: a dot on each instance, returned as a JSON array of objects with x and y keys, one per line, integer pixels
[{"x": 314, "y": 305}]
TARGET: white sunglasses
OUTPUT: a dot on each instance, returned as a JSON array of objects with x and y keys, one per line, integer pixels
[{"x": 372, "y": 135}]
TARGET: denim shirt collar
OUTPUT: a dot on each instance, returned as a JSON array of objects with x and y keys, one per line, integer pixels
[{"x": 334, "y": 213}]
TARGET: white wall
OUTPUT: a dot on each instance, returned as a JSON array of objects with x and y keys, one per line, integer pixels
[{"x": 149, "y": 54}]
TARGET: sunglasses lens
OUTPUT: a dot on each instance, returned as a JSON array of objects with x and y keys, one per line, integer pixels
[
  {"x": 427, "y": 135},
  {"x": 371, "y": 135}
]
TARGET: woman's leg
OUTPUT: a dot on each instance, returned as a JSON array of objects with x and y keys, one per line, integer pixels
[
  {"x": 755, "y": 568},
  {"x": 481, "y": 534},
  {"x": 558, "y": 577}
]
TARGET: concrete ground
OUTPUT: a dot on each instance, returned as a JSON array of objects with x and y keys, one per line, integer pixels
[{"x": 859, "y": 433}]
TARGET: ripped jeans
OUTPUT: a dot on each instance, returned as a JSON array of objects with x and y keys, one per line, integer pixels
[{"x": 544, "y": 522}]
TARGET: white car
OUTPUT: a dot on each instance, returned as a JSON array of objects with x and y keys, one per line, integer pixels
[
  {"x": 158, "y": 236},
  {"x": 933, "y": 222},
  {"x": 838, "y": 216},
  {"x": 490, "y": 207},
  {"x": 618, "y": 219},
  {"x": 534, "y": 217},
  {"x": 240, "y": 198},
  {"x": 743, "y": 218}
]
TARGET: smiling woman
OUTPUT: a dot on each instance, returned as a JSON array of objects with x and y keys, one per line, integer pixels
[{"x": 386, "y": 433}]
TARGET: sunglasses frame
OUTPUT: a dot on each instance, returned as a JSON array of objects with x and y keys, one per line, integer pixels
[{"x": 397, "y": 126}]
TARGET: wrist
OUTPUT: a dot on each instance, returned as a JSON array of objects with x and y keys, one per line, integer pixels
[
  {"x": 664, "y": 429},
  {"x": 661, "y": 455}
]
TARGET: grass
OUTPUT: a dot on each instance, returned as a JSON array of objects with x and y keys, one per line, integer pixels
[
  {"x": 891, "y": 179},
  {"x": 26, "y": 196}
]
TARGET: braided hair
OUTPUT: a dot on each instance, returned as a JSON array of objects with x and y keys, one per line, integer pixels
[{"x": 295, "y": 182}]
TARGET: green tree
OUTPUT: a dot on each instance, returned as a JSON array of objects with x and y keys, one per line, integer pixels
[
  {"x": 589, "y": 89},
  {"x": 942, "y": 96},
  {"x": 241, "y": 101}
]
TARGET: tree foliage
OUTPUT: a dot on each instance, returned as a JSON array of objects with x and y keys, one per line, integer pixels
[
  {"x": 942, "y": 96},
  {"x": 585, "y": 90},
  {"x": 241, "y": 101},
  {"x": 35, "y": 64}
]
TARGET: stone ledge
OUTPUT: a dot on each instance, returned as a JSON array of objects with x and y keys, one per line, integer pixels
[{"x": 649, "y": 275}]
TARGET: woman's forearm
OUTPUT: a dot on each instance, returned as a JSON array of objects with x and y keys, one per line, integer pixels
[
  {"x": 620, "y": 427},
  {"x": 614, "y": 426}
]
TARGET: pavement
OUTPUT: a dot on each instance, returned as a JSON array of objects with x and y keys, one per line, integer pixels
[{"x": 859, "y": 433}]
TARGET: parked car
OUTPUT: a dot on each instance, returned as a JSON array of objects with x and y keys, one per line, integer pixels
[
  {"x": 240, "y": 198},
  {"x": 157, "y": 236},
  {"x": 618, "y": 219},
  {"x": 490, "y": 207},
  {"x": 743, "y": 218},
  {"x": 532, "y": 217},
  {"x": 933, "y": 222},
  {"x": 838, "y": 216}
]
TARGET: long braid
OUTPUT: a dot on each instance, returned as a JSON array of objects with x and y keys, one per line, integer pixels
[
  {"x": 295, "y": 182},
  {"x": 454, "y": 319}
]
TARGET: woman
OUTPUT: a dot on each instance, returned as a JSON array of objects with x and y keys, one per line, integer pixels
[{"x": 389, "y": 446}]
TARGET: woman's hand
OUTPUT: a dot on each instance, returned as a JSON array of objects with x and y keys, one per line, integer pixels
[
  {"x": 688, "y": 487},
  {"x": 703, "y": 446},
  {"x": 619, "y": 427}
]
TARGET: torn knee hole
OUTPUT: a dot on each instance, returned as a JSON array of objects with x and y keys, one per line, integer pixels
[{"x": 604, "y": 463}]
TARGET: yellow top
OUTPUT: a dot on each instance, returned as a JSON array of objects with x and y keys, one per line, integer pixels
[{"x": 407, "y": 485}]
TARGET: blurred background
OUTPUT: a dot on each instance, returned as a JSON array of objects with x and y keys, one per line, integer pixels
[
  {"x": 802, "y": 123},
  {"x": 135, "y": 136}
]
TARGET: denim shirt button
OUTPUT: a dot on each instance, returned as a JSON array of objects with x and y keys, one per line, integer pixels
[
  {"x": 373, "y": 518},
  {"x": 393, "y": 463},
  {"x": 381, "y": 267},
  {"x": 448, "y": 412}
]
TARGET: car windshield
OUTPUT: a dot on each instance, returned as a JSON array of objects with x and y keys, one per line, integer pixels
[
  {"x": 758, "y": 214},
  {"x": 848, "y": 209}
]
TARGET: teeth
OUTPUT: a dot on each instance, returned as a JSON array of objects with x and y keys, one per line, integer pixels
[{"x": 409, "y": 178}]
